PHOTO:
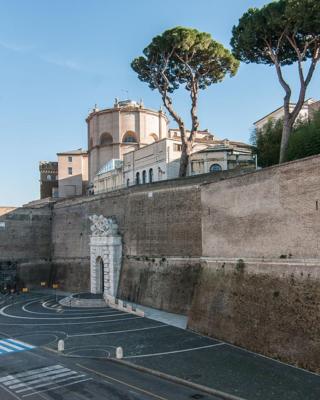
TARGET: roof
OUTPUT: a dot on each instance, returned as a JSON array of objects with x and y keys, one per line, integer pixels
[
  {"x": 307, "y": 102},
  {"x": 72, "y": 152}
]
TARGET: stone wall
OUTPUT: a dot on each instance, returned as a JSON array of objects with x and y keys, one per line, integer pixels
[
  {"x": 272, "y": 308},
  {"x": 238, "y": 252},
  {"x": 164, "y": 222},
  {"x": 166, "y": 283},
  {"x": 25, "y": 242},
  {"x": 271, "y": 213}
]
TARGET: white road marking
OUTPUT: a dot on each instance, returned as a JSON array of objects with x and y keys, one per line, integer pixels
[
  {"x": 46, "y": 378},
  {"x": 72, "y": 323},
  {"x": 6, "y": 349},
  {"x": 34, "y": 376},
  {"x": 57, "y": 387},
  {"x": 2, "y": 312},
  {"x": 42, "y": 381},
  {"x": 175, "y": 351},
  {"x": 18, "y": 342},
  {"x": 52, "y": 382},
  {"x": 10, "y": 345},
  {"x": 124, "y": 331},
  {"x": 28, "y": 373}
]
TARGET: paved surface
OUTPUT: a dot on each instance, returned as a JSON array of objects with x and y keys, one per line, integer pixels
[{"x": 91, "y": 335}]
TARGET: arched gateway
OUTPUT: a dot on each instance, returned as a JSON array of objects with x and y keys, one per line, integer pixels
[{"x": 105, "y": 255}]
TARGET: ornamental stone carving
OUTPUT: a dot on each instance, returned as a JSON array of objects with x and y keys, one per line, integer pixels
[
  {"x": 105, "y": 255},
  {"x": 102, "y": 226}
]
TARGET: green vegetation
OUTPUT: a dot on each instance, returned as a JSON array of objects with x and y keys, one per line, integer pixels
[
  {"x": 189, "y": 58},
  {"x": 267, "y": 142},
  {"x": 282, "y": 33},
  {"x": 303, "y": 142}
]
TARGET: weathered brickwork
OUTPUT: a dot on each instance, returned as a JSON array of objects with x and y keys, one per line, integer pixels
[
  {"x": 270, "y": 308},
  {"x": 238, "y": 254},
  {"x": 271, "y": 213},
  {"x": 163, "y": 283}
]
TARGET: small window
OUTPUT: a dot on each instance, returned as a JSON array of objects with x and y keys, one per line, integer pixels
[
  {"x": 150, "y": 175},
  {"x": 137, "y": 178},
  {"x": 177, "y": 147},
  {"x": 215, "y": 168},
  {"x": 70, "y": 170},
  {"x": 129, "y": 137},
  {"x": 49, "y": 177},
  {"x": 128, "y": 182},
  {"x": 144, "y": 176},
  {"x": 70, "y": 159}
]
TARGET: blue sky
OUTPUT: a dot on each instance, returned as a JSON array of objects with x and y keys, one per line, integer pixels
[{"x": 58, "y": 58}]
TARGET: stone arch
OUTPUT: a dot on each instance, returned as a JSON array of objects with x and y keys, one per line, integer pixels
[
  {"x": 130, "y": 137},
  {"x": 105, "y": 255},
  {"x": 99, "y": 266},
  {"x": 144, "y": 176},
  {"x": 154, "y": 137},
  {"x": 106, "y": 138},
  {"x": 150, "y": 175},
  {"x": 215, "y": 167}
]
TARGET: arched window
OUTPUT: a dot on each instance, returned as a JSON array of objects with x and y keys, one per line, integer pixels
[
  {"x": 150, "y": 175},
  {"x": 144, "y": 176},
  {"x": 106, "y": 138},
  {"x": 137, "y": 178},
  {"x": 128, "y": 182},
  {"x": 154, "y": 137},
  {"x": 215, "y": 168},
  {"x": 129, "y": 137}
]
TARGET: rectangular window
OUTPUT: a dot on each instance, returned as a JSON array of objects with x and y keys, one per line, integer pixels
[
  {"x": 70, "y": 170},
  {"x": 177, "y": 147},
  {"x": 70, "y": 159}
]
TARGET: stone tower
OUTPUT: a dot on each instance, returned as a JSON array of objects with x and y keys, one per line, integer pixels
[
  {"x": 115, "y": 131},
  {"x": 48, "y": 178}
]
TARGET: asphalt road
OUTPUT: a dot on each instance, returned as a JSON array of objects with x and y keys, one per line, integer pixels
[{"x": 30, "y": 366}]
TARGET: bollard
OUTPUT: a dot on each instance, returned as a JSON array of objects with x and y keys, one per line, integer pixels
[
  {"x": 61, "y": 345},
  {"x": 119, "y": 353}
]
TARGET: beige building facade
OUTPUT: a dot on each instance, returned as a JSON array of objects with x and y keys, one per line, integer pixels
[
  {"x": 113, "y": 132},
  {"x": 161, "y": 161},
  {"x": 307, "y": 111},
  {"x": 221, "y": 156},
  {"x": 72, "y": 173}
]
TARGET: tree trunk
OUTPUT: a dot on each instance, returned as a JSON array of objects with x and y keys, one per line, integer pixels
[
  {"x": 286, "y": 132},
  {"x": 184, "y": 160}
]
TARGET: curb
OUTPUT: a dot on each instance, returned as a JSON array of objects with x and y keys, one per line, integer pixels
[{"x": 175, "y": 379}]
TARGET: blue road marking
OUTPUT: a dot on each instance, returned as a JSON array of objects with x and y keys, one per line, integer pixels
[{"x": 8, "y": 346}]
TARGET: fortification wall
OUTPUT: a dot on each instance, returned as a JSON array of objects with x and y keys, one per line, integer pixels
[
  {"x": 25, "y": 243},
  {"x": 271, "y": 213},
  {"x": 157, "y": 223},
  {"x": 239, "y": 255},
  {"x": 270, "y": 307}
]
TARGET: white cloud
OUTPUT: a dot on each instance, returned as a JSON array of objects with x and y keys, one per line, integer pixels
[
  {"x": 48, "y": 58},
  {"x": 61, "y": 62},
  {"x": 15, "y": 47}
]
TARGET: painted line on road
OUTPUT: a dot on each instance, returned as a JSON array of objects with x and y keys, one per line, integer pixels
[
  {"x": 74, "y": 323},
  {"x": 47, "y": 378},
  {"x": 57, "y": 387},
  {"x": 175, "y": 351},
  {"x": 3, "y": 313},
  {"x": 76, "y": 309},
  {"x": 123, "y": 383},
  {"x": 13, "y": 346},
  {"x": 124, "y": 331}
]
